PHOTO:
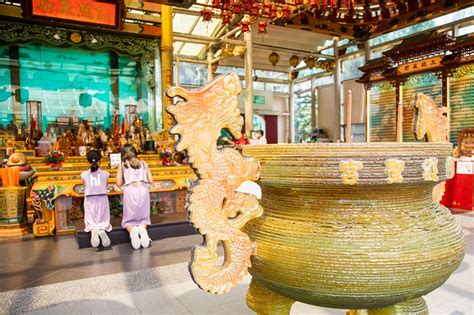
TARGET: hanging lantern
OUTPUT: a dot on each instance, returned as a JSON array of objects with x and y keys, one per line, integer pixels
[
  {"x": 207, "y": 15},
  {"x": 226, "y": 15},
  {"x": 314, "y": 4},
  {"x": 267, "y": 7},
  {"x": 237, "y": 8},
  {"x": 226, "y": 4},
  {"x": 245, "y": 26},
  {"x": 298, "y": 2},
  {"x": 262, "y": 27},
  {"x": 274, "y": 58},
  {"x": 255, "y": 9},
  {"x": 285, "y": 12},
  {"x": 246, "y": 5},
  {"x": 310, "y": 62},
  {"x": 216, "y": 3},
  {"x": 273, "y": 12},
  {"x": 294, "y": 61}
]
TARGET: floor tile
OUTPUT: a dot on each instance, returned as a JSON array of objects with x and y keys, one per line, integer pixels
[
  {"x": 62, "y": 275},
  {"x": 16, "y": 276},
  {"x": 158, "y": 301},
  {"x": 234, "y": 308}
]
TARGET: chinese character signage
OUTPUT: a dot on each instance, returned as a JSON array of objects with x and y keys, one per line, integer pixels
[
  {"x": 421, "y": 65},
  {"x": 86, "y": 11}
]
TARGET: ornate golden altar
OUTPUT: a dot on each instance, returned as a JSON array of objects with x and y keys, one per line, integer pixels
[{"x": 50, "y": 186}]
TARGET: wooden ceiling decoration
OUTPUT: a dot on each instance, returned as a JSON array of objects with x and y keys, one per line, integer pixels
[{"x": 369, "y": 18}]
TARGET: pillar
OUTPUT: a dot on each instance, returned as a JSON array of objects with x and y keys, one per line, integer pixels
[
  {"x": 210, "y": 56},
  {"x": 337, "y": 93},
  {"x": 248, "y": 84},
  {"x": 368, "y": 56},
  {"x": 176, "y": 72},
  {"x": 166, "y": 60},
  {"x": 313, "y": 103},
  {"x": 291, "y": 111}
]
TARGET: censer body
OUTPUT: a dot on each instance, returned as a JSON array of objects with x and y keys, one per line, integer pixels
[
  {"x": 338, "y": 225},
  {"x": 370, "y": 243}
]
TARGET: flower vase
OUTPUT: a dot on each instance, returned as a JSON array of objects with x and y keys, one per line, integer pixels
[{"x": 165, "y": 161}]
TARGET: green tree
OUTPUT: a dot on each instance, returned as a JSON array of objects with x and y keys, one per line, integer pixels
[{"x": 303, "y": 118}]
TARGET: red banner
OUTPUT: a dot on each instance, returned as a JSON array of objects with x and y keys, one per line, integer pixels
[{"x": 88, "y": 11}]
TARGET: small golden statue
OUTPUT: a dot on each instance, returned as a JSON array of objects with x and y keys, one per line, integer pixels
[
  {"x": 85, "y": 135},
  {"x": 137, "y": 134}
]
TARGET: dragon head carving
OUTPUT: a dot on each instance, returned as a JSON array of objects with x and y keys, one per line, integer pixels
[{"x": 207, "y": 111}]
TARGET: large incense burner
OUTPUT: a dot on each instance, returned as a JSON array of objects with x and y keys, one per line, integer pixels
[{"x": 349, "y": 226}]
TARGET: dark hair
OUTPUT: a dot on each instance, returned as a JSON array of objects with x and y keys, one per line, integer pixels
[
  {"x": 94, "y": 157},
  {"x": 129, "y": 153},
  {"x": 261, "y": 131}
]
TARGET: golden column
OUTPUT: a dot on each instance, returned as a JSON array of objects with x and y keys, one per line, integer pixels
[{"x": 166, "y": 60}]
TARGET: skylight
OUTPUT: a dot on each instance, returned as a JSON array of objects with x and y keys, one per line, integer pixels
[
  {"x": 183, "y": 23},
  {"x": 191, "y": 49}
]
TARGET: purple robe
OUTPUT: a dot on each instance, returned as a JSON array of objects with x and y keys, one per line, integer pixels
[
  {"x": 136, "y": 196},
  {"x": 96, "y": 201}
]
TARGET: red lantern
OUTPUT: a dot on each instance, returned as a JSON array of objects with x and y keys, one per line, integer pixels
[
  {"x": 245, "y": 26},
  {"x": 281, "y": 1},
  {"x": 314, "y": 3},
  {"x": 207, "y": 15},
  {"x": 286, "y": 12},
  {"x": 216, "y": 3},
  {"x": 267, "y": 6},
  {"x": 273, "y": 12},
  {"x": 298, "y": 2},
  {"x": 255, "y": 9},
  {"x": 262, "y": 27},
  {"x": 226, "y": 15},
  {"x": 237, "y": 8}
]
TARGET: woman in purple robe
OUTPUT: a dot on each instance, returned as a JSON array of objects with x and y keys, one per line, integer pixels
[
  {"x": 135, "y": 175},
  {"x": 96, "y": 201}
]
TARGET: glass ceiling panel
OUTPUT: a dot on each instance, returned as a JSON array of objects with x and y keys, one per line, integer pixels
[
  {"x": 182, "y": 23},
  {"x": 191, "y": 49},
  {"x": 177, "y": 47},
  {"x": 206, "y": 28}
]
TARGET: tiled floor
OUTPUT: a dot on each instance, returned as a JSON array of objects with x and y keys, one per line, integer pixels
[
  {"x": 168, "y": 289},
  {"x": 30, "y": 262}
]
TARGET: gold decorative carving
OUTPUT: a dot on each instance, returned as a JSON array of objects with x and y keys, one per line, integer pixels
[
  {"x": 431, "y": 124},
  {"x": 215, "y": 208},
  {"x": 349, "y": 170},
  {"x": 449, "y": 167},
  {"x": 394, "y": 169},
  {"x": 429, "y": 120},
  {"x": 430, "y": 169}
]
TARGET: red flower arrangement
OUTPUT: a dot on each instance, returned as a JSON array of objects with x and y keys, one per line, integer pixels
[
  {"x": 54, "y": 159},
  {"x": 166, "y": 157}
]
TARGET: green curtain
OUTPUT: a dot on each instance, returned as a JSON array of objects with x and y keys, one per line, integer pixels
[
  {"x": 74, "y": 83},
  {"x": 6, "y": 97}
]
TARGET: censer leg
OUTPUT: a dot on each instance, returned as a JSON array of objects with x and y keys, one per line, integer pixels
[
  {"x": 410, "y": 307},
  {"x": 264, "y": 301}
]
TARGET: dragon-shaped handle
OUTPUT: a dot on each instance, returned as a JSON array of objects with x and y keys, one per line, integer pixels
[
  {"x": 430, "y": 124},
  {"x": 218, "y": 205}
]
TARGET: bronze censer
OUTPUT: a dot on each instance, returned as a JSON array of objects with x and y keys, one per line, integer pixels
[{"x": 349, "y": 226}]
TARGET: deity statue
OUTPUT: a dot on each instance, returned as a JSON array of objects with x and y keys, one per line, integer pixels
[
  {"x": 137, "y": 134},
  {"x": 85, "y": 135},
  {"x": 51, "y": 135},
  {"x": 101, "y": 139}
]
